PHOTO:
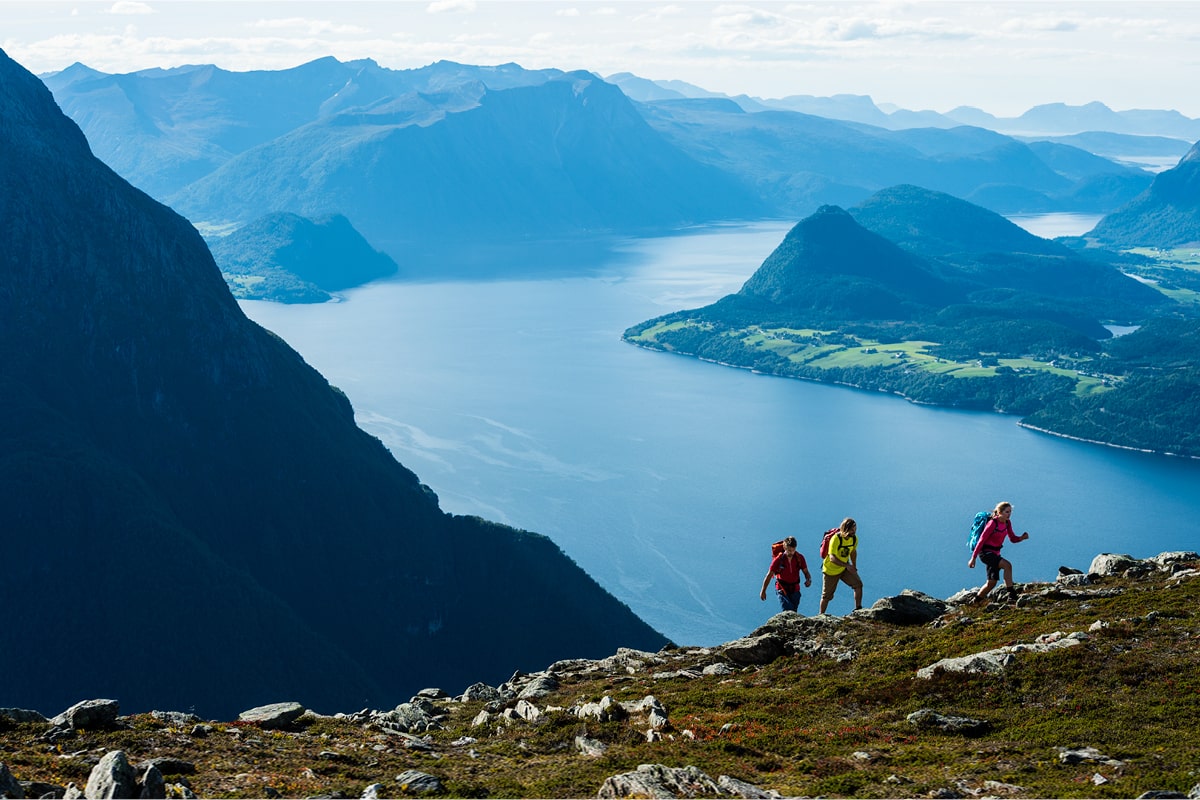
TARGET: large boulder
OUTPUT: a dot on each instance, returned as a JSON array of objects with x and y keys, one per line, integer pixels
[
  {"x": 1107, "y": 564},
  {"x": 89, "y": 714},
  {"x": 656, "y": 780},
  {"x": 907, "y": 608},
  {"x": 275, "y": 715},
  {"x": 112, "y": 777}
]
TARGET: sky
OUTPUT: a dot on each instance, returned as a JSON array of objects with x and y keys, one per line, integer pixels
[{"x": 1003, "y": 57}]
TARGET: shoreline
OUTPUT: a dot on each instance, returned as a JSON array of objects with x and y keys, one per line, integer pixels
[{"x": 1020, "y": 423}]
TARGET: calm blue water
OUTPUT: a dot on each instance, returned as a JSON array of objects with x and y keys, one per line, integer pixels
[{"x": 667, "y": 478}]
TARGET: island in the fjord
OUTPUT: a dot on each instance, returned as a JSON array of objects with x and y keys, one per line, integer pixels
[{"x": 933, "y": 298}]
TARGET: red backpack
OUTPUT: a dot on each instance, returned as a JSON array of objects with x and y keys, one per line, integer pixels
[{"x": 825, "y": 541}]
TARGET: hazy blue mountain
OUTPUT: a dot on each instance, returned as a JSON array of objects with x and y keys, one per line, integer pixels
[
  {"x": 289, "y": 258},
  {"x": 566, "y": 157},
  {"x": 1167, "y": 214},
  {"x": 642, "y": 89},
  {"x": 188, "y": 512},
  {"x": 1118, "y": 146},
  {"x": 1060, "y": 119},
  {"x": 798, "y": 162},
  {"x": 163, "y": 129}
]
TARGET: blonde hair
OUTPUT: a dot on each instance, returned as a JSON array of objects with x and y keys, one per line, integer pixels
[
  {"x": 848, "y": 526},
  {"x": 1000, "y": 507}
]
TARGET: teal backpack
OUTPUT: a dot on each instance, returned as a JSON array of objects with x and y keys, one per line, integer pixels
[{"x": 981, "y": 521}]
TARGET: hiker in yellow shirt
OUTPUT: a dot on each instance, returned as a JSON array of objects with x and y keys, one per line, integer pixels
[{"x": 842, "y": 564}]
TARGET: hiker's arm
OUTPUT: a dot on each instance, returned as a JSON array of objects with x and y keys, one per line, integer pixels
[
  {"x": 807, "y": 577},
  {"x": 763, "y": 594}
]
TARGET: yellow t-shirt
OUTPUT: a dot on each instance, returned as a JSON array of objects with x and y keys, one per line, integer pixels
[{"x": 841, "y": 547}]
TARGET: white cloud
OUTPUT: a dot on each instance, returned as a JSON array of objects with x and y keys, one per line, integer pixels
[
  {"x": 130, "y": 7},
  {"x": 455, "y": 6},
  {"x": 567, "y": 12},
  {"x": 309, "y": 27}
]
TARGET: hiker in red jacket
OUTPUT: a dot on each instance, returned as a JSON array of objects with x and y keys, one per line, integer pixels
[
  {"x": 786, "y": 568},
  {"x": 987, "y": 549}
]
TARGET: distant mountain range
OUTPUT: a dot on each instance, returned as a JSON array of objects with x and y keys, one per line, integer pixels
[
  {"x": 1054, "y": 119},
  {"x": 453, "y": 153},
  {"x": 188, "y": 512}
]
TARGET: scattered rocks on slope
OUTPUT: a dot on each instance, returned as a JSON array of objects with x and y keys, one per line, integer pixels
[{"x": 994, "y": 662}]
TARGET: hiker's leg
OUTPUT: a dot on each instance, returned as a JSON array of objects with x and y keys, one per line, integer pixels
[
  {"x": 983, "y": 593},
  {"x": 1006, "y": 566},
  {"x": 788, "y": 602},
  {"x": 828, "y": 587},
  {"x": 992, "y": 560},
  {"x": 854, "y": 582}
]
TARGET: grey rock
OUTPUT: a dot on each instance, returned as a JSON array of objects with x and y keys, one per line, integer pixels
[
  {"x": 927, "y": 718},
  {"x": 720, "y": 668},
  {"x": 480, "y": 691},
  {"x": 273, "y": 716},
  {"x": 1157, "y": 794},
  {"x": 1194, "y": 792},
  {"x": 735, "y": 788},
  {"x": 995, "y": 662},
  {"x": 658, "y": 781},
  {"x": 72, "y": 792},
  {"x": 372, "y": 792},
  {"x": 415, "y": 781},
  {"x": 113, "y": 777},
  {"x": 482, "y": 718},
  {"x": 9, "y": 786},
  {"x": 89, "y": 714},
  {"x": 590, "y": 747},
  {"x": 153, "y": 785},
  {"x": 761, "y": 649},
  {"x": 1107, "y": 564},
  {"x": 1175, "y": 557},
  {"x": 1073, "y": 579},
  {"x": 907, "y": 608},
  {"x": 433, "y": 694},
  {"x": 522, "y": 711},
  {"x": 1086, "y": 755},
  {"x": 408, "y": 718},
  {"x": 604, "y": 711},
  {"x": 538, "y": 686},
  {"x": 21, "y": 715}
]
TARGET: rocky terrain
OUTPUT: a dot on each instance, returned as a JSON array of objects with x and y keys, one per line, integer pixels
[{"x": 1085, "y": 687}]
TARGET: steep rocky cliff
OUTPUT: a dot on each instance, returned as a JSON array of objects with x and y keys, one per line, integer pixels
[{"x": 188, "y": 512}]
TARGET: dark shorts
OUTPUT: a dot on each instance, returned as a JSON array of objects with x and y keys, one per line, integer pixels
[{"x": 992, "y": 559}]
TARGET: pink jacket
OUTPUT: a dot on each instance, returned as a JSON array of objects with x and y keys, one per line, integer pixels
[{"x": 993, "y": 535}]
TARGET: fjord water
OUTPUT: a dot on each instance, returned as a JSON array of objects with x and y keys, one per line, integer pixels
[{"x": 667, "y": 478}]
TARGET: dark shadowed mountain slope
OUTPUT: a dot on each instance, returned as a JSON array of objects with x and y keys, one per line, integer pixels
[
  {"x": 1165, "y": 215},
  {"x": 290, "y": 258},
  {"x": 830, "y": 264},
  {"x": 189, "y": 514},
  {"x": 566, "y": 157}
]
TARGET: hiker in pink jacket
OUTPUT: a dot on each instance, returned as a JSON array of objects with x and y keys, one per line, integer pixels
[{"x": 987, "y": 549}]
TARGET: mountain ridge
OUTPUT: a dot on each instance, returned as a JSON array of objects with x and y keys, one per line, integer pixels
[{"x": 191, "y": 478}]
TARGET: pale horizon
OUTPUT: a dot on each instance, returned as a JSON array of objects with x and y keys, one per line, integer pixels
[{"x": 1003, "y": 58}]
